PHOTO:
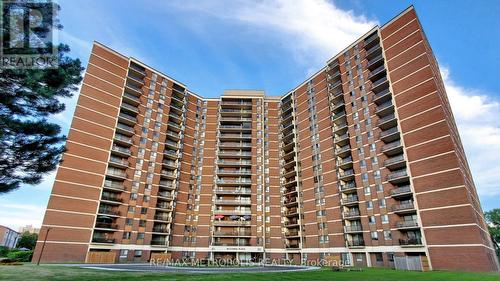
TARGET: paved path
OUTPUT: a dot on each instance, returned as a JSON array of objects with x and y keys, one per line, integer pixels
[{"x": 201, "y": 269}]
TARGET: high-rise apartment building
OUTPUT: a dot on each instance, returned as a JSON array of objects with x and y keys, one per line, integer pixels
[{"x": 363, "y": 160}]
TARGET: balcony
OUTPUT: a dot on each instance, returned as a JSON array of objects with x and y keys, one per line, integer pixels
[
  {"x": 123, "y": 140},
  {"x": 377, "y": 73},
  {"x": 118, "y": 162},
  {"x": 159, "y": 242},
  {"x": 173, "y": 135},
  {"x": 353, "y": 228},
  {"x": 231, "y": 223},
  {"x": 167, "y": 174},
  {"x": 119, "y": 150},
  {"x": 396, "y": 162},
  {"x": 234, "y": 153},
  {"x": 138, "y": 69},
  {"x": 162, "y": 218},
  {"x": 243, "y": 191},
  {"x": 407, "y": 207},
  {"x": 161, "y": 230},
  {"x": 164, "y": 196},
  {"x": 341, "y": 140},
  {"x": 173, "y": 125},
  {"x": 236, "y": 103},
  {"x": 127, "y": 119},
  {"x": 408, "y": 224},
  {"x": 111, "y": 199},
  {"x": 380, "y": 85},
  {"x": 234, "y": 172},
  {"x": 170, "y": 164},
  {"x": 133, "y": 88},
  {"x": 393, "y": 148},
  {"x": 410, "y": 242},
  {"x": 373, "y": 51},
  {"x": 356, "y": 243},
  {"x": 370, "y": 41},
  {"x": 384, "y": 109},
  {"x": 334, "y": 86},
  {"x": 291, "y": 212},
  {"x": 106, "y": 225},
  {"x": 235, "y": 144},
  {"x": 337, "y": 116},
  {"x": 116, "y": 174},
  {"x": 388, "y": 121},
  {"x": 352, "y": 214},
  {"x": 130, "y": 108},
  {"x": 351, "y": 186},
  {"x": 131, "y": 99},
  {"x": 172, "y": 144},
  {"x": 233, "y": 212},
  {"x": 343, "y": 151},
  {"x": 340, "y": 128},
  {"x": 232, "y": 233},
  {"x": 346, "y": 175},
  {"x": 344, "y": 163},
  {"x": 350, "y": 200},
  {"x": 333, "y": 75},
  {"x": 389, "y": 135},
  {"x": 375, "y": 62},
  {"x": 108, "y": 212},
  {"x": 382, "y": 96},
  {"x": 232, "y": 202},
  {"x": 235, "y": 127},
  {"x": 166, "y": 185},
  {"x": 398, "y": 176},
  {"x": 125, "y": 130},
  {"x": 235, "y": 136},
  {"x": 231, "y": 244},
  {"x": 115, "y": 186},
  {"x": 103, "y": 240},
  {"x": 223, "y": 162},
  {"x": 401, "y": 191}
]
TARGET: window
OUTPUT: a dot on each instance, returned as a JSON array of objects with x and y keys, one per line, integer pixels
[
  {"x": 367, "y": 190},
  {"x": 129, "y": 221},
  {"x": 376, "y": 174},
  {"x": 321, "y": 213},
  {"x": 133, "y": 196},
  {"x": 123, "y": 254},
  {"x": 382, "y": 203},
  {"x": 140, "y": 236},
  {"x": 131, "y": 209},
  {"x": 379, "y": 257},
  {"x": 374, "y": 160},
  {"x": 362, "y": 163},
  {"x": 384, "y": 218},
  {"x": 369, "y": 204},
  {"x": 126, "y": 235},
  {"x": 322, "y": 225},
  {"x": 144, "y": 210},
  {"x": 380, "y": 188},
  {"x": 372, "y": 147},
  {"x": 387, "y": 235},
  {"x": 364, "y": 176},
  {"x": 374, "y": 235},
  {"x": 371, "y": 219},
  {"x": 142, "y": 223},
  {"x": 137, "y": 253}
]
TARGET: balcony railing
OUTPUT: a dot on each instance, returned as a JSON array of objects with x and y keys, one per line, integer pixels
[
  {"x": 125, "y": 127},
  {"x": 407, "y": 224},
  {"x": 388, "y": 132},
  {"x": 350, "y": 199},
  {"x": 105, "y": 225},
  {"x": 397, "y": 174},
  {"x": 391, "y": 145},
  {"x": 103, "y": 240},
  {"x": 403, "y": 207},
  {"x": 393, "y": 160},
  {"x": 353, "y": 228},
  {"x": 356, "y": 243},
  {"x": 410, "y": 242},
  {"x": 350, "y": 214},
  {"x": 401, "y": 190}
]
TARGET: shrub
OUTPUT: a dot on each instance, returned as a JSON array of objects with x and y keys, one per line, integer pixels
[
  {"x": 4, "y": 251},
  {"x": 22, "y": 256}
]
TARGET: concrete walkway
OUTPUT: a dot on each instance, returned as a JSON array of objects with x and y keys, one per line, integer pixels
[{"x": 187, "y": 269}]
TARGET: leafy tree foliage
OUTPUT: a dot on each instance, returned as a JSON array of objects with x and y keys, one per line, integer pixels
[{"x": 27, "y": 240}]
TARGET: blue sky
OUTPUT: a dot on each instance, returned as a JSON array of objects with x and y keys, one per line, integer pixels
[{"x": 274, "y": 45}]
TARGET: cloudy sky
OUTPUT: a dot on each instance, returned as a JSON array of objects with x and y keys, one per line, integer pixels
[{"x": 274, "y": 45}]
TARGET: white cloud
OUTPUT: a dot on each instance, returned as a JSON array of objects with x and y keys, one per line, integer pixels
[
  {"x": 478, "y": 120},
  {"x": 17, "y": 215},
  {"x": 314, "y": 29}
]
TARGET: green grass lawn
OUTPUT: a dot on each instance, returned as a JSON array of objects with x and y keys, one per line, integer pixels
[{"x": 53, "y": 272}]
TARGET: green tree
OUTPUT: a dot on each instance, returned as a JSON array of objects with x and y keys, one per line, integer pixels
[
  {"x": 493, "y": 219},
  {"x": 27, "y": 240},
  {"x": 30, "y": 145}
]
